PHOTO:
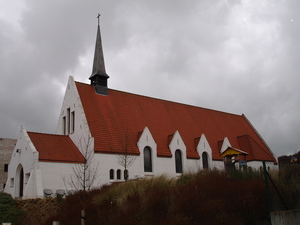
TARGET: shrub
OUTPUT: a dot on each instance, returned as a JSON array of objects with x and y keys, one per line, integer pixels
[
  {"x": 207, "y": 197},
  {"x": 8, "y": 211}
]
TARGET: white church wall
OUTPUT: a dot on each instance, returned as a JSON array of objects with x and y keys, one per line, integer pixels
[
  {"x": 77, "y": 128},
  {"x": 203, "y": 147},
  {"x": 218, "y": 164},
  {"x": 34, "y": 186},
  {"x": 24, "y": 156},
  {"x": 160, "y": 165},
  {"x": 146, "y": 140},
  {"x": 192, "y": 165},
  {"x": 106, "y": 162},
  {"x": 258, "y": 165},
  {"x": 225, "y": 145},
  {"x": 178, "y": 144},
  {"x": 56, "y": 175}
]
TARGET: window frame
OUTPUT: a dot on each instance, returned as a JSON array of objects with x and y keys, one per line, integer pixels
[
  {"x": 119, "y": 174},
  {"x": 205, "y": 163},
  {"x": 148, "y": 160},
  {"x": 111, "y": 174},
  {"x": 178, "y": 161},
  {"x": 5, "y": 167},
  {"x": 72, "y": 121}
]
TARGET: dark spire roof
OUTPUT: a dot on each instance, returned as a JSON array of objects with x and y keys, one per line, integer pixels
[
  {"x": 99, "y": 76},
  {"x": 98, "y": 66}
]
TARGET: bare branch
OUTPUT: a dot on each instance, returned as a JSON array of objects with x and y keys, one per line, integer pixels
[
  {"x": 85, "y": 174},
  {"x": 125, "y": 159}
]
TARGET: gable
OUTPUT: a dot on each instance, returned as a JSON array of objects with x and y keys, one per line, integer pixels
[
  {"x": 55, "y": 148},
  {"x": 118, "y": 118},
  {"x": 249, "y": 145}
]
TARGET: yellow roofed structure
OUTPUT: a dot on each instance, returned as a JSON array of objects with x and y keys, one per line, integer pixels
[{"x": 233, "y": 151}]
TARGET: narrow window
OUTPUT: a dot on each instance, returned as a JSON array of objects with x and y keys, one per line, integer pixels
[
  {"x": 21, "y": 180},
  {"x": 178, "y": 161},
  {"x": 118, "y": 174},
  {"x": 147, "y": 160},
  {"x": 205, "y": 160},
  {"x": 72, "y": 122},
  {"x": 64, "y": 125},
  {"x": 68, "y": 121},
  {"x": 111, "y": 174},
  {"x": 5, "y": 167}
]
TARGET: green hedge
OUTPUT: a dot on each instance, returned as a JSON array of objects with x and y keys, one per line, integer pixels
[{"x": 8, "y": 210}]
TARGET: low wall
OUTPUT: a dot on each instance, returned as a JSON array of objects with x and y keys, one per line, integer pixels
[{"x": 290, "y": 217}]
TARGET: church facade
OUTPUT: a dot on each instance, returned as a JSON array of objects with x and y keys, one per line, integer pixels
[{"x": 107, "y": 136}]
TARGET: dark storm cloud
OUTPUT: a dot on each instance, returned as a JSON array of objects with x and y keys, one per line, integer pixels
[{"x": 233, "y": 56}]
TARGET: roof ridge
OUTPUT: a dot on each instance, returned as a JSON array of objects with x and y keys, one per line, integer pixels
[
  {"x": 204, "y": 108},
  {"x": 61, "y": 135}
]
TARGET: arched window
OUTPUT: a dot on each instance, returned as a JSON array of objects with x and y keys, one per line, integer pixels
[
  {"x": 178, "y": 161},
  {"x": 126, "y": 174},
  {"x": 147, "y": 160},
  {"x": 118, "y": 174},
  {"x": 205, "y": 160},
  {"x": 19, "y": 181},
  {"x": 111, "y": 174}
]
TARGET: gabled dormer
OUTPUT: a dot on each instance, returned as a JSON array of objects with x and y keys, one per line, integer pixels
[{"x": 99, "y": 76}]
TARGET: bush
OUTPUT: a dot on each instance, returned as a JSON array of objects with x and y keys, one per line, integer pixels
[
  {"x": 8, "y": 211},
  {"x": 287, "y": 182},
  {"x": 207, "y": 197}
]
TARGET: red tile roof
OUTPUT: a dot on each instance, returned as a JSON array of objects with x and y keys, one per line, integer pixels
[
  {"x": 121, "y": 116},
  {"x": 56, "y": 148}
]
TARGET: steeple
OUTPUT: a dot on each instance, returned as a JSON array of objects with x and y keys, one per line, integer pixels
[{"x": 99, "y": 76}]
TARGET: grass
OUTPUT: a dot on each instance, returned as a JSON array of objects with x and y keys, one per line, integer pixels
[{"x": 206, "y": 197}]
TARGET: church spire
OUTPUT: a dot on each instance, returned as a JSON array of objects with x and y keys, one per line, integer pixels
[{"x": 99, "y": 76}]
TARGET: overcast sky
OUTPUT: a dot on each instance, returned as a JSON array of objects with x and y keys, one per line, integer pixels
[{"x": 241, "y": 57}]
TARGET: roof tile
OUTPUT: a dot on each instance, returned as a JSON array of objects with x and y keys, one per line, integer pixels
[
  {"x": 117, "y": 119},
  {"x": 56, "y": 148}
]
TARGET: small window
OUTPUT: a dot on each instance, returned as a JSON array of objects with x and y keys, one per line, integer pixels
[
  {"x": 72, "y": 122},
  {"x": 64, "y": 125},
  {"x": 178, "y": 161},
  {"x": 5, "y": 167},
  {"x": 111, "y": 174},
  {"x": 205, "y": 160},
  {"x": 69, "y": 121},
  {"x": 4, "y": 186},
  {"x": 118, "y": 174},
  {"x": 147, "y": 160}
]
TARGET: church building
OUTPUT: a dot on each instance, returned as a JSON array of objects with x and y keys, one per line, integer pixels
[{"x": 107, "y": 136}]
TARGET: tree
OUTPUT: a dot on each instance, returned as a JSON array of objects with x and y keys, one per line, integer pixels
[
  {"x": 125, "y": 159},
  {"x": 84, "y": 174}
]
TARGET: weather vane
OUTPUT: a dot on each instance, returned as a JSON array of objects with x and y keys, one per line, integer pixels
[{"x": 98, "y": 17}]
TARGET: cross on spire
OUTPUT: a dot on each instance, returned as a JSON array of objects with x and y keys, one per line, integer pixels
[
  {"x": 99, "y": 76},
  {"x": 98, "y": 17}
]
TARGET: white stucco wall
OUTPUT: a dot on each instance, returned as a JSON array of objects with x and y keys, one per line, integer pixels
[
  {"x": 81, "y": 134},
  {"x": 24, "y": 156},
  {"x": 160, "y": 165},
  {"x": 56, "y": 175},
  {"x": 37, "y": 175}
]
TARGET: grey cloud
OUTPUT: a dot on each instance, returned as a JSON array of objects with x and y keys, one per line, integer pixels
[{"x": 238, "y": 57}]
